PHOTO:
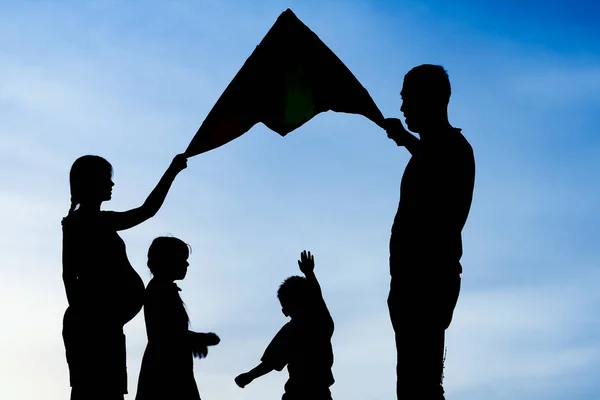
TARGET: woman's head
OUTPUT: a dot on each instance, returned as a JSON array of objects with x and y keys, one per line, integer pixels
[
  {"x": 91, "y": 180},
  {"x": 167, "y": 257}
]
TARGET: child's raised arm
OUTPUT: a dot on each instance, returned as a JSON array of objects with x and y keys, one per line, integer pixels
[{"x": 307, "y": 266}]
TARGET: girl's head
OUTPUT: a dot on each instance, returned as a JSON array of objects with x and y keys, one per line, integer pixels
[
  {"x": 91, "y": 181},
  {"x": 168, "y": 258}
]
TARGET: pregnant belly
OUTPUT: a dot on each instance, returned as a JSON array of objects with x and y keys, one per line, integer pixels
[{"x": 131, "y": 297}]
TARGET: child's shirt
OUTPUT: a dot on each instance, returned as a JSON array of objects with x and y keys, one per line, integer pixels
[
  {"x": 304, "y": 345},
  {"x": 164, "y": 312},
  {"x": 167, "y": 365}
]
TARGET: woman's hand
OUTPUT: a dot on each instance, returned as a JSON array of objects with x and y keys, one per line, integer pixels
[{"x": 178, "y": 164}]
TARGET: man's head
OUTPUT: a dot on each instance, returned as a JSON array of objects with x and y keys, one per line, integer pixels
[
  {"x": 425, "y": 97},
  {"x": 292, "y": 296}
]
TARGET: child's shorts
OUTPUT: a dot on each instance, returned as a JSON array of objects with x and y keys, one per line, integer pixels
[{"x": 317, "y": 394}]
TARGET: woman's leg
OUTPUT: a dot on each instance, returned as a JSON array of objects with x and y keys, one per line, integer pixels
[{"x": 78, "y": 393}]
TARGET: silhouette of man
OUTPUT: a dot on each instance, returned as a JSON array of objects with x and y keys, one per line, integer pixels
[{"x": 426, "y": 244}]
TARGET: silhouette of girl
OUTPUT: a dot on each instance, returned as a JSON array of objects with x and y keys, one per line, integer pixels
[
  {"x": 103, "y": 290},
  {"x": 167, "y": 370}
]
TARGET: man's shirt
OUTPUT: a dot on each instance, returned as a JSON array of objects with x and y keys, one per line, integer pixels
[{"x": 435, "y": 198}]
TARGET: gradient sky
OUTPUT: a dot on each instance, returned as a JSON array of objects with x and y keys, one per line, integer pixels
[{"x": 132, "y": 81}]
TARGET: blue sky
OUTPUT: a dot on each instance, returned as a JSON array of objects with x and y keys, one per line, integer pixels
[{"x": 134, "y": 82}]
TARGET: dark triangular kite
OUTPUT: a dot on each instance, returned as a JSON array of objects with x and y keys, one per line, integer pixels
[{"x": 289, "y": 78}]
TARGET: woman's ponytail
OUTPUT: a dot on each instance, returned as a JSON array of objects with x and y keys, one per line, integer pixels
[{"x": 74, "y": 204}]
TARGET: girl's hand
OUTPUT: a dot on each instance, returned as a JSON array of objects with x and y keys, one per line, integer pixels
[
  {"x": 199, "y": 351},
  {"x": 211, "y": 339},
  {"x": 198, "y": 345}
]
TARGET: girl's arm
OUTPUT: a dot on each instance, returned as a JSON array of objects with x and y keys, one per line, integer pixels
[
  {"x": 209, "y": 339},
  {"x": 128, "y": 219},
  {"x": 199, "y": 342}
]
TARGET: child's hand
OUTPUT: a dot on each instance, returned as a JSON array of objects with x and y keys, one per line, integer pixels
[
  {"x": 199, "y": 345},
  {"x": 199, "y": 350},
  {"x": 306, "y": 262},
  {"x": 211, "y": 339},
  {"x": 243, "y": 379}
]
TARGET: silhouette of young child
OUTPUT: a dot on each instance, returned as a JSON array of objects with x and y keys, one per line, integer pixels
[
  {"x": 304, "y": 343},
  {"x": 167, "y": 370}
]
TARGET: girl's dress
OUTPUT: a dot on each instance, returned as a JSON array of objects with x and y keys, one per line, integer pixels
[
  {"x": 104, "y": 293},
  {"x": 167, "y": 370}
]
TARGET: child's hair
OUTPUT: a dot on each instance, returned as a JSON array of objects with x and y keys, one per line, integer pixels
[
  {"x": 292, "y": 292},
  {"x": 162, "y": 251},
  {"x": 82, "y": 177}
]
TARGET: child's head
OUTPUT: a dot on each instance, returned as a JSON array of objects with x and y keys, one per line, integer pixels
[
  {"x": 292, "y": 296},
  {"x": 167, "y": 257}
]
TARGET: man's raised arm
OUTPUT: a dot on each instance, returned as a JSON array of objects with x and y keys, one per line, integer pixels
[{"x": 396, "y": 131}]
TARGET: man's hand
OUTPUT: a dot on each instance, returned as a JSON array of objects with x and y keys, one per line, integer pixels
[
  {"x": 306, "y": 262},
  {"x": 243, "y": 379},
  {"x": 396, "y": 131}
]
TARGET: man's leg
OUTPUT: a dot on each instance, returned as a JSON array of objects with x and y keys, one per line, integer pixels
[
  {"x": 450, "y": 292},
  {"x": 409, "y": 343},
  {"x": 439, "y": 309},
  {"x": 420, "y": 311},
  {"x": 395, "y": 316},
  {"x": 419, "y": 364}
]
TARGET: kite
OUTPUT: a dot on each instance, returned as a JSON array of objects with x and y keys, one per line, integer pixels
[{"x": 289, "y": 78}]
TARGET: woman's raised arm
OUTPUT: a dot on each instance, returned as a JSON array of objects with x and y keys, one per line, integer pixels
[{"x": 128, "y": 219}]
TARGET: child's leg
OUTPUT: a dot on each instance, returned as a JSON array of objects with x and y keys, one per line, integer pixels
[{"x": 315, "y": 394}]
